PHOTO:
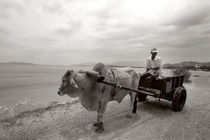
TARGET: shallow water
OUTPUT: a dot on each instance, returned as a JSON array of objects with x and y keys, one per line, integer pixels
[
  {"x": 24, "y": 88},
  {"x": 38, "y": 84}
]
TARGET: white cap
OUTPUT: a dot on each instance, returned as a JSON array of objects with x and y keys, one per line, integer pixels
[{"x": 154, "y": 50}]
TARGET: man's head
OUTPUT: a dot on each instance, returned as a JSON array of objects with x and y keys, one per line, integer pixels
[{"x": 154, "y": 52}]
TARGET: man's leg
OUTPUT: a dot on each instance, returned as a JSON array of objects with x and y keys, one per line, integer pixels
[
  {"x": 144, "y": 80},
  {"x": 153, "y": 79}
]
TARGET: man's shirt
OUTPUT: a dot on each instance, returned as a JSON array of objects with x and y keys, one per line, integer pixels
[{"x": 155, "y": 63}]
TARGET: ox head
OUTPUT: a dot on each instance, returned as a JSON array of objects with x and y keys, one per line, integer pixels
[{"x": 68, "y": 85}]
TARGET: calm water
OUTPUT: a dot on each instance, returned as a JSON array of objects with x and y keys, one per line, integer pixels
[{"x": 37, "y": 84}]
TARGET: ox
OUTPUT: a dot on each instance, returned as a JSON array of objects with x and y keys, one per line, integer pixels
[{"x": 93, "y": 95}]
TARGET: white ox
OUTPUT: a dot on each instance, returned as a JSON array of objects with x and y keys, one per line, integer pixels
[{"x": 93, "y": 95}]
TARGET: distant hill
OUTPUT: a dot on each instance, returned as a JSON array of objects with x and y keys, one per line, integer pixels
[
  {"x": 17, "y": 63},
  {"x": 181, "y": 64},
  {"x": 206, "y": 64},
  {"x": 189, "y": 65}
]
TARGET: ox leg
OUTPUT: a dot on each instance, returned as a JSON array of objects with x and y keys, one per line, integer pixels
[
  {"x": 99, "y": 123},
  {"x": 133, "y": 104}
]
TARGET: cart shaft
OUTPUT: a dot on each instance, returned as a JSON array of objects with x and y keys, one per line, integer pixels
[{"x": 141, "y": 89}]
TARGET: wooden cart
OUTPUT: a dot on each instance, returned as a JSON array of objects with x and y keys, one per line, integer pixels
[{"x": 168, "y": 88}]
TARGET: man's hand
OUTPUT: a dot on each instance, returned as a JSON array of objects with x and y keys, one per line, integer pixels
[{"x": 156, "y": 75}]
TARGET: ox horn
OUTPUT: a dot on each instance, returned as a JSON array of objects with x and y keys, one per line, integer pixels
[{"x": 71, "y": 79}]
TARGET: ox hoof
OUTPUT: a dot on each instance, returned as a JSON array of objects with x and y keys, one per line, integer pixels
[
  {"x": 129, "y": 116},
  {"x": 100, "y": 128},
  {"x": 95, "y": 123}
]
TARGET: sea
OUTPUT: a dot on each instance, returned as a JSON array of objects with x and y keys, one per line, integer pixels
[{"x": 29, "y": 87}]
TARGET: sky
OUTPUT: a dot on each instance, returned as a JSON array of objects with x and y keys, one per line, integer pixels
[{"x": 64, "y": 32}]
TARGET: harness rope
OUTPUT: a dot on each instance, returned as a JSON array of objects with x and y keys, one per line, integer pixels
[{"x": 113, "y": 92}]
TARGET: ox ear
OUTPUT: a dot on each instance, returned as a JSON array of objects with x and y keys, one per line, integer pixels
[
  {"x": 73, "y": 83},
  {"x": 71, "y": 78}
]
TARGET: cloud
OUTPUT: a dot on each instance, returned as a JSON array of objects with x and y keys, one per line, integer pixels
[
  {"x": 48, "y": 40},
  {"x": 4, "y": 15},
  {"x": 103, "y": 30},
  {"x": 4, "y": 31},
  {"x": 193, "y": 13},
  {"x": 69, "y": 28},
  {"x": 53, "y": 6},
  {"x": 207, "y": 32},
  {"x": 10, "y": 7}
]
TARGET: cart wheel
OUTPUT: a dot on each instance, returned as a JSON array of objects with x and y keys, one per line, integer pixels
[
  {"x": 142, "y": 97},
  {"x": 179, "y": 99}
]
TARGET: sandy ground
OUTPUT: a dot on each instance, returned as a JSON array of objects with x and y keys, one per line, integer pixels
[{"x": 153, "y": 120}]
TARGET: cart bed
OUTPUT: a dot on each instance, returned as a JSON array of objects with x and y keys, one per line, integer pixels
[{"x": 163, "y": 87}]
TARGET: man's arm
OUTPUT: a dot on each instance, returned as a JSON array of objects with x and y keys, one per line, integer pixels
[{"x": 158, "y": 68}]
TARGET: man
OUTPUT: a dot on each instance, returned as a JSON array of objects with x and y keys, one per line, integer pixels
[
  {"x": 154, "y": 64},
  {"x": 153, "y": 67}
]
